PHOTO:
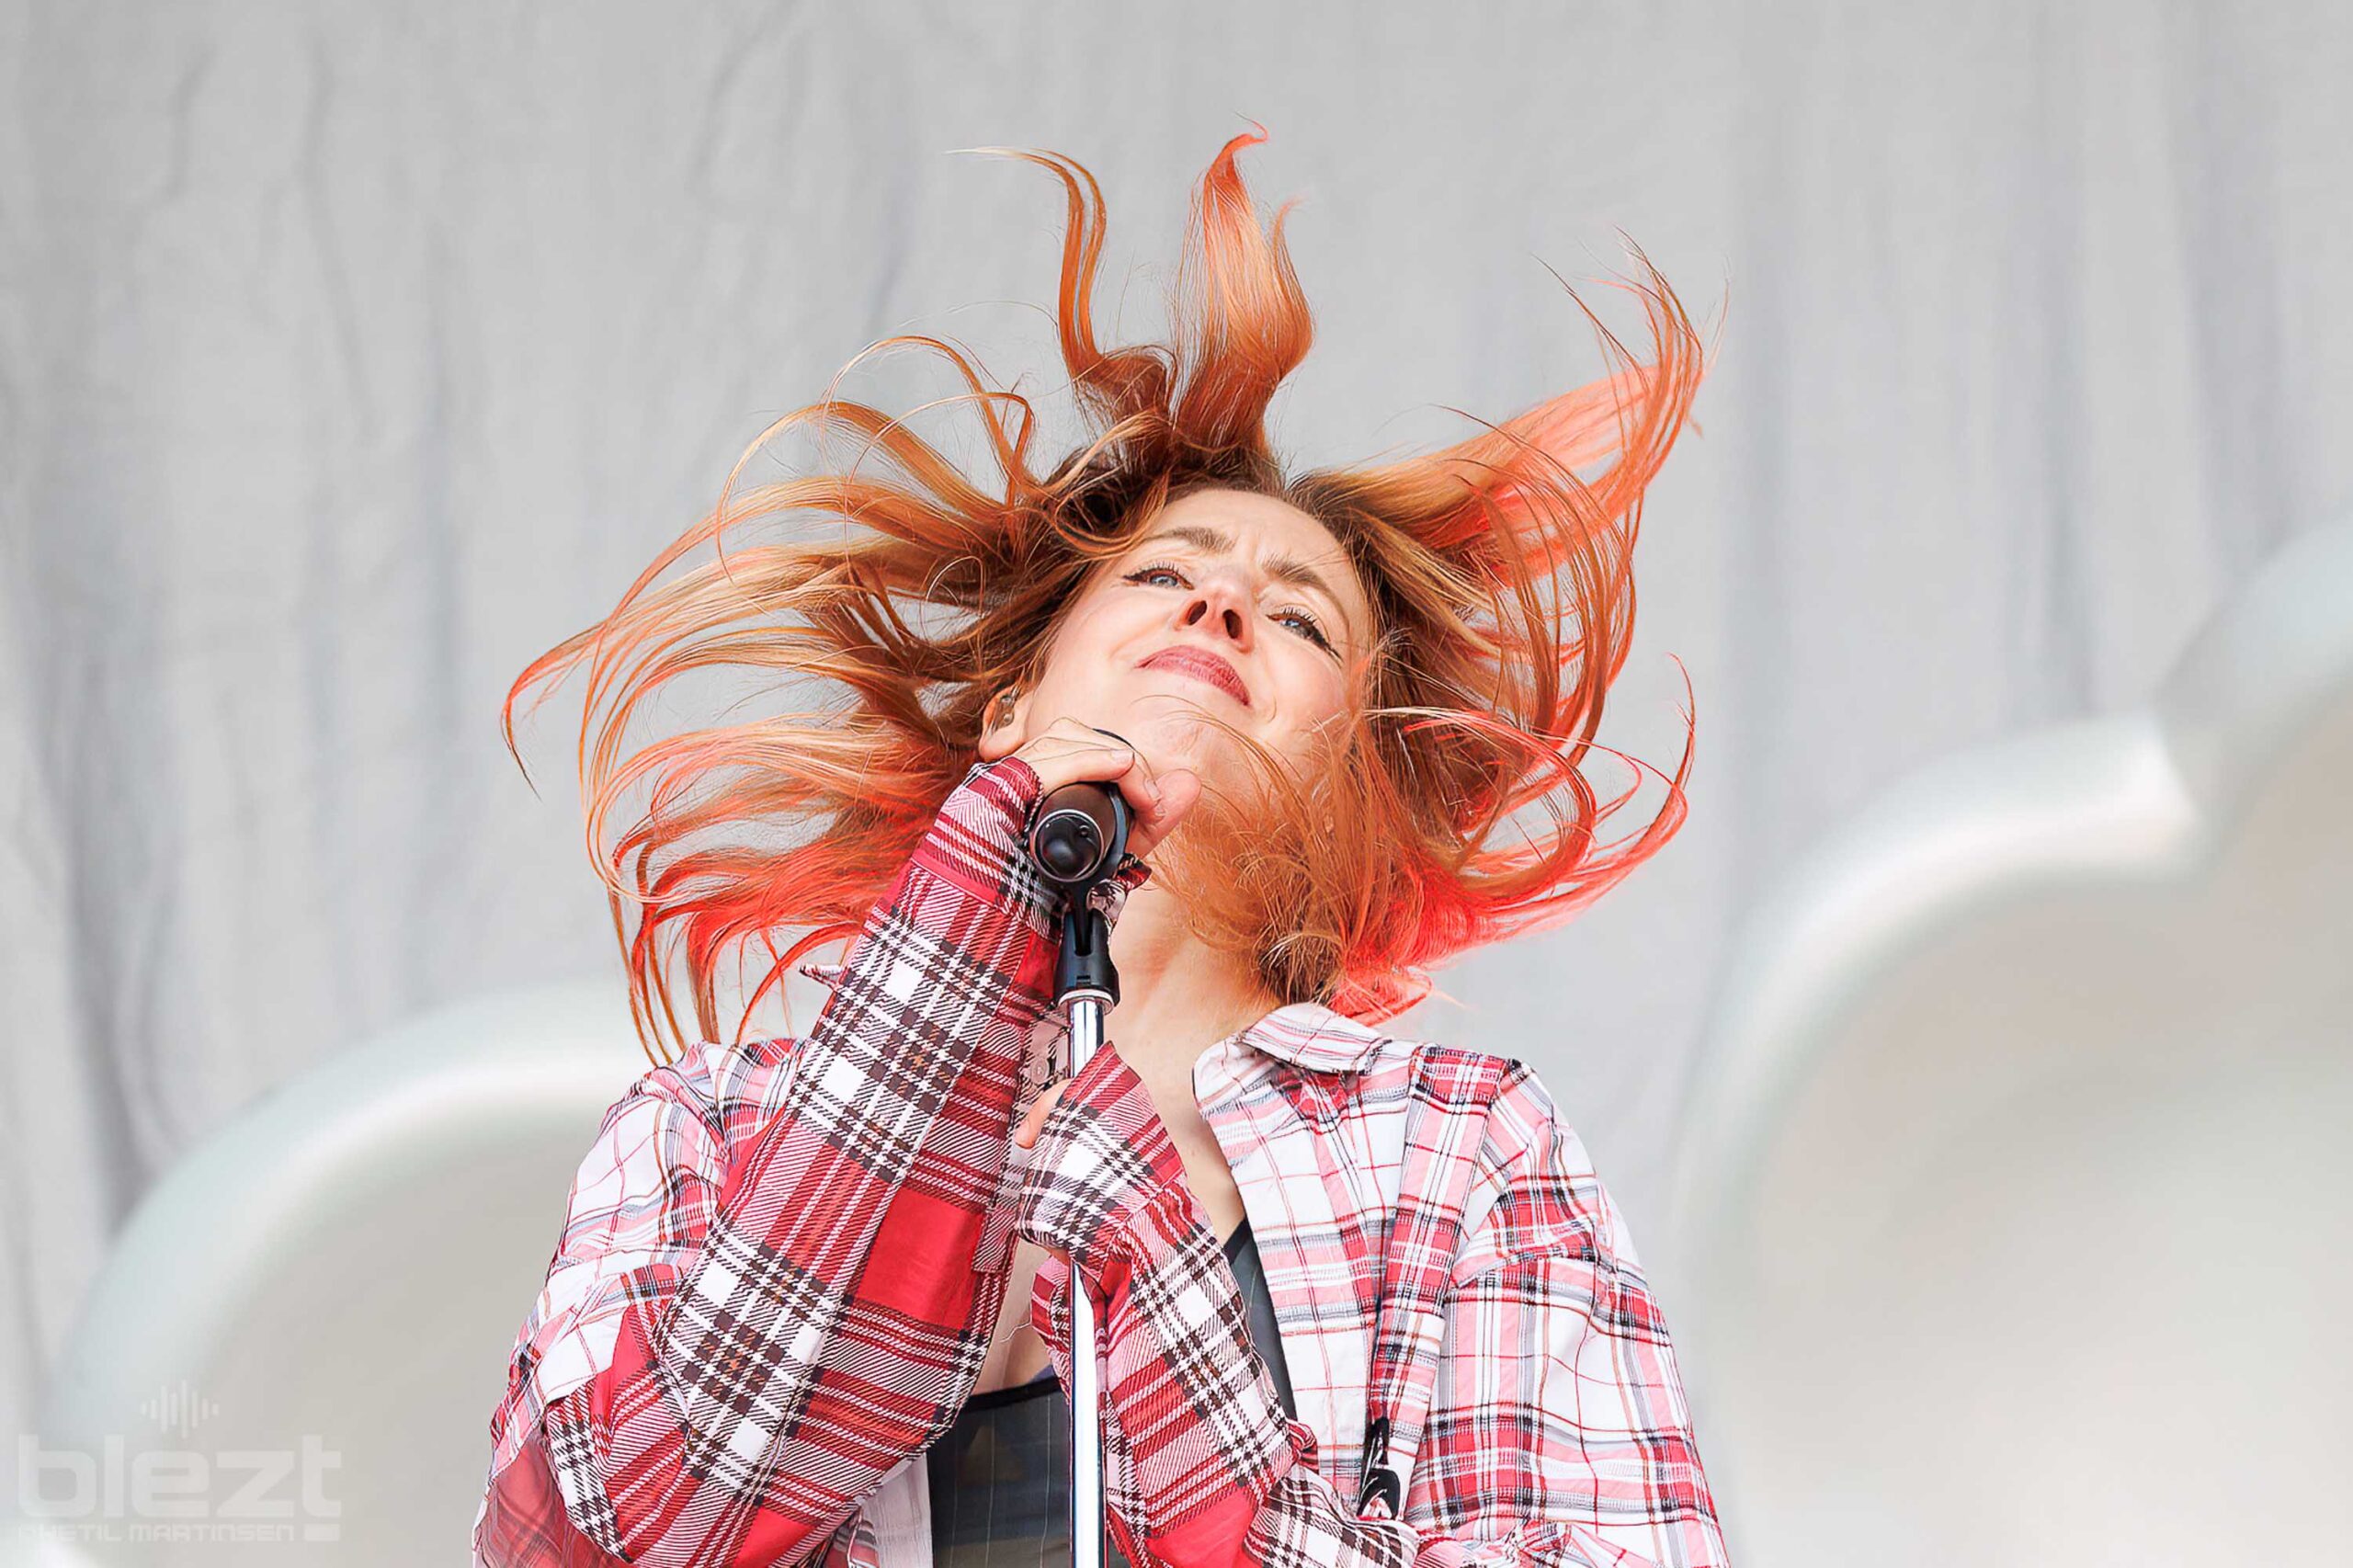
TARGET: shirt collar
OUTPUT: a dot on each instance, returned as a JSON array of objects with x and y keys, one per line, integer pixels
[{"x": 1313, "y": 1036}]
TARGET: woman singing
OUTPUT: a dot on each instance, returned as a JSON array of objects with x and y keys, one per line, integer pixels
[{"x": 1363, "y": 1298}]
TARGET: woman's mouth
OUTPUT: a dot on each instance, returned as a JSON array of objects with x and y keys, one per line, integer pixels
[{"x": 1204, "y": 665}]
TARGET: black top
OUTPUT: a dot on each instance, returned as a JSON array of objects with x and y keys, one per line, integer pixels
[{"x": 1000, "y": 1476}]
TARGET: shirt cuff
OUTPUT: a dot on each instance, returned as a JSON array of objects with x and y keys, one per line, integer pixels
[{"x": 1101, "y": 1158}]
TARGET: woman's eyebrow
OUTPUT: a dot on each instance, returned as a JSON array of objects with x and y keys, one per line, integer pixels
[{"x": 1283, "y": 568}]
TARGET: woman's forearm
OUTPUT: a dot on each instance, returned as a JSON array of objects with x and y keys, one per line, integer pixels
[{"x": 836, "y": 1313}]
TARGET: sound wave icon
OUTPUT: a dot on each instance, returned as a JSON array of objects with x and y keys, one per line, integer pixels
[{"x": 179, "y": 1409}]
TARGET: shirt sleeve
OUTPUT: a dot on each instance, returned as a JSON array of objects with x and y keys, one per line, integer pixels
[
  {"x": 1558, "y": 1433},
  {"x": 746, "y": 1327}
]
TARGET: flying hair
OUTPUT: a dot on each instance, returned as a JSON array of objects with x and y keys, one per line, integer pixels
[{"x": 1499, "y": 571}]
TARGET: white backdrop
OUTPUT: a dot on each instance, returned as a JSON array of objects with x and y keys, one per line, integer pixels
[{"x": 352, "y": 355}]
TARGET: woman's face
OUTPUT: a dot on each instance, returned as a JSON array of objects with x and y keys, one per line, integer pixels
[{"x": 1229, "y": 604}]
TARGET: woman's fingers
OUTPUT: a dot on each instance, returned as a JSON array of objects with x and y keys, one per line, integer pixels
[
  {"x": 1026, "y": 1135},
  {"x": 1068, "y": 751},
  {"x": 1172, "y": 796}
]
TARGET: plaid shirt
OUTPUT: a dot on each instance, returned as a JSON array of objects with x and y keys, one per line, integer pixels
[{"x": 782, "y": 1263}]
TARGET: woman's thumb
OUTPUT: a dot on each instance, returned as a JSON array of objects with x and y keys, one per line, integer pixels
[{"x": 1180, "y": 788}]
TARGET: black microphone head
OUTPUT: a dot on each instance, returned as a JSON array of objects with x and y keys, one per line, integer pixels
[
  {"x": 1081, "y": 830},
  {"x": 1072, "y": 852}
]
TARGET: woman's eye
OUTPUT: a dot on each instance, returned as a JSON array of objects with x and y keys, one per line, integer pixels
[
  {"x": 1314, "y": 630},
  {"x": 1141, "y": 572}
]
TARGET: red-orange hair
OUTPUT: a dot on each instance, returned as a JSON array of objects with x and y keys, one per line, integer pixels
[{"x": 1501, "y": 581}]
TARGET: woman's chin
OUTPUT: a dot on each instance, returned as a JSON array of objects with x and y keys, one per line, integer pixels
[{"x": 1170, "y": 741}]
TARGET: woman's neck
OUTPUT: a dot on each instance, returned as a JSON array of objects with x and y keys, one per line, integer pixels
[{"x": 1178, "y": 997}]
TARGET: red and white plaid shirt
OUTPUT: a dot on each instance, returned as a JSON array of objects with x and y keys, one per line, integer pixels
[{"x": 782, "y": 1262}]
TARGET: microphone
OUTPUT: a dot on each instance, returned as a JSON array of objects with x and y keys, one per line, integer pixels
[
  {"x": 1082, "y": 830},
  {"x": 1080, "y": 834}
]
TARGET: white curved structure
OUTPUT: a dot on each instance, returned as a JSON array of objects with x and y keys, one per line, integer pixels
[
  {"x": 2018, "y": 1197},
  {"x": 346, "y": 1262}
]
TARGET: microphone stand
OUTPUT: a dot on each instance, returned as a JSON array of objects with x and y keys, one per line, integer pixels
[{"x": 1079, "y": 836}]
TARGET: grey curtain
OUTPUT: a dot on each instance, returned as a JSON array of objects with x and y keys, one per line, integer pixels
[{"x": 352, "y": 355}]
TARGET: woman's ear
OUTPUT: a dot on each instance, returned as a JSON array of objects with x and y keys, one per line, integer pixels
[{"x": 1001, "y": 723}]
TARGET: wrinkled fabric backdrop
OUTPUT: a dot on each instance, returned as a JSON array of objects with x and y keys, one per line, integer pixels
[{"x": 351, "y": 356}]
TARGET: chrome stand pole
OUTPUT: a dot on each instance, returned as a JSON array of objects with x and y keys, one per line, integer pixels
[
  {"x": 1085, "y": 1012},
  {"x": 1080, "y": 834}
]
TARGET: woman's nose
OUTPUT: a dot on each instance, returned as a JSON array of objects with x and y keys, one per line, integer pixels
[{"x": 1218, "y": 606}]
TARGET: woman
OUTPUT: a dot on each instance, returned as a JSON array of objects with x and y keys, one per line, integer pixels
[{"x": 1364, "y": 1299}]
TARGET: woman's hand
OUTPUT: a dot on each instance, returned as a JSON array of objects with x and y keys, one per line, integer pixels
[
  {"x": 1026, "y": 1135},
  {"x": 1069, "y": 752},
  {"x": 1097, "y": 1157}
]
